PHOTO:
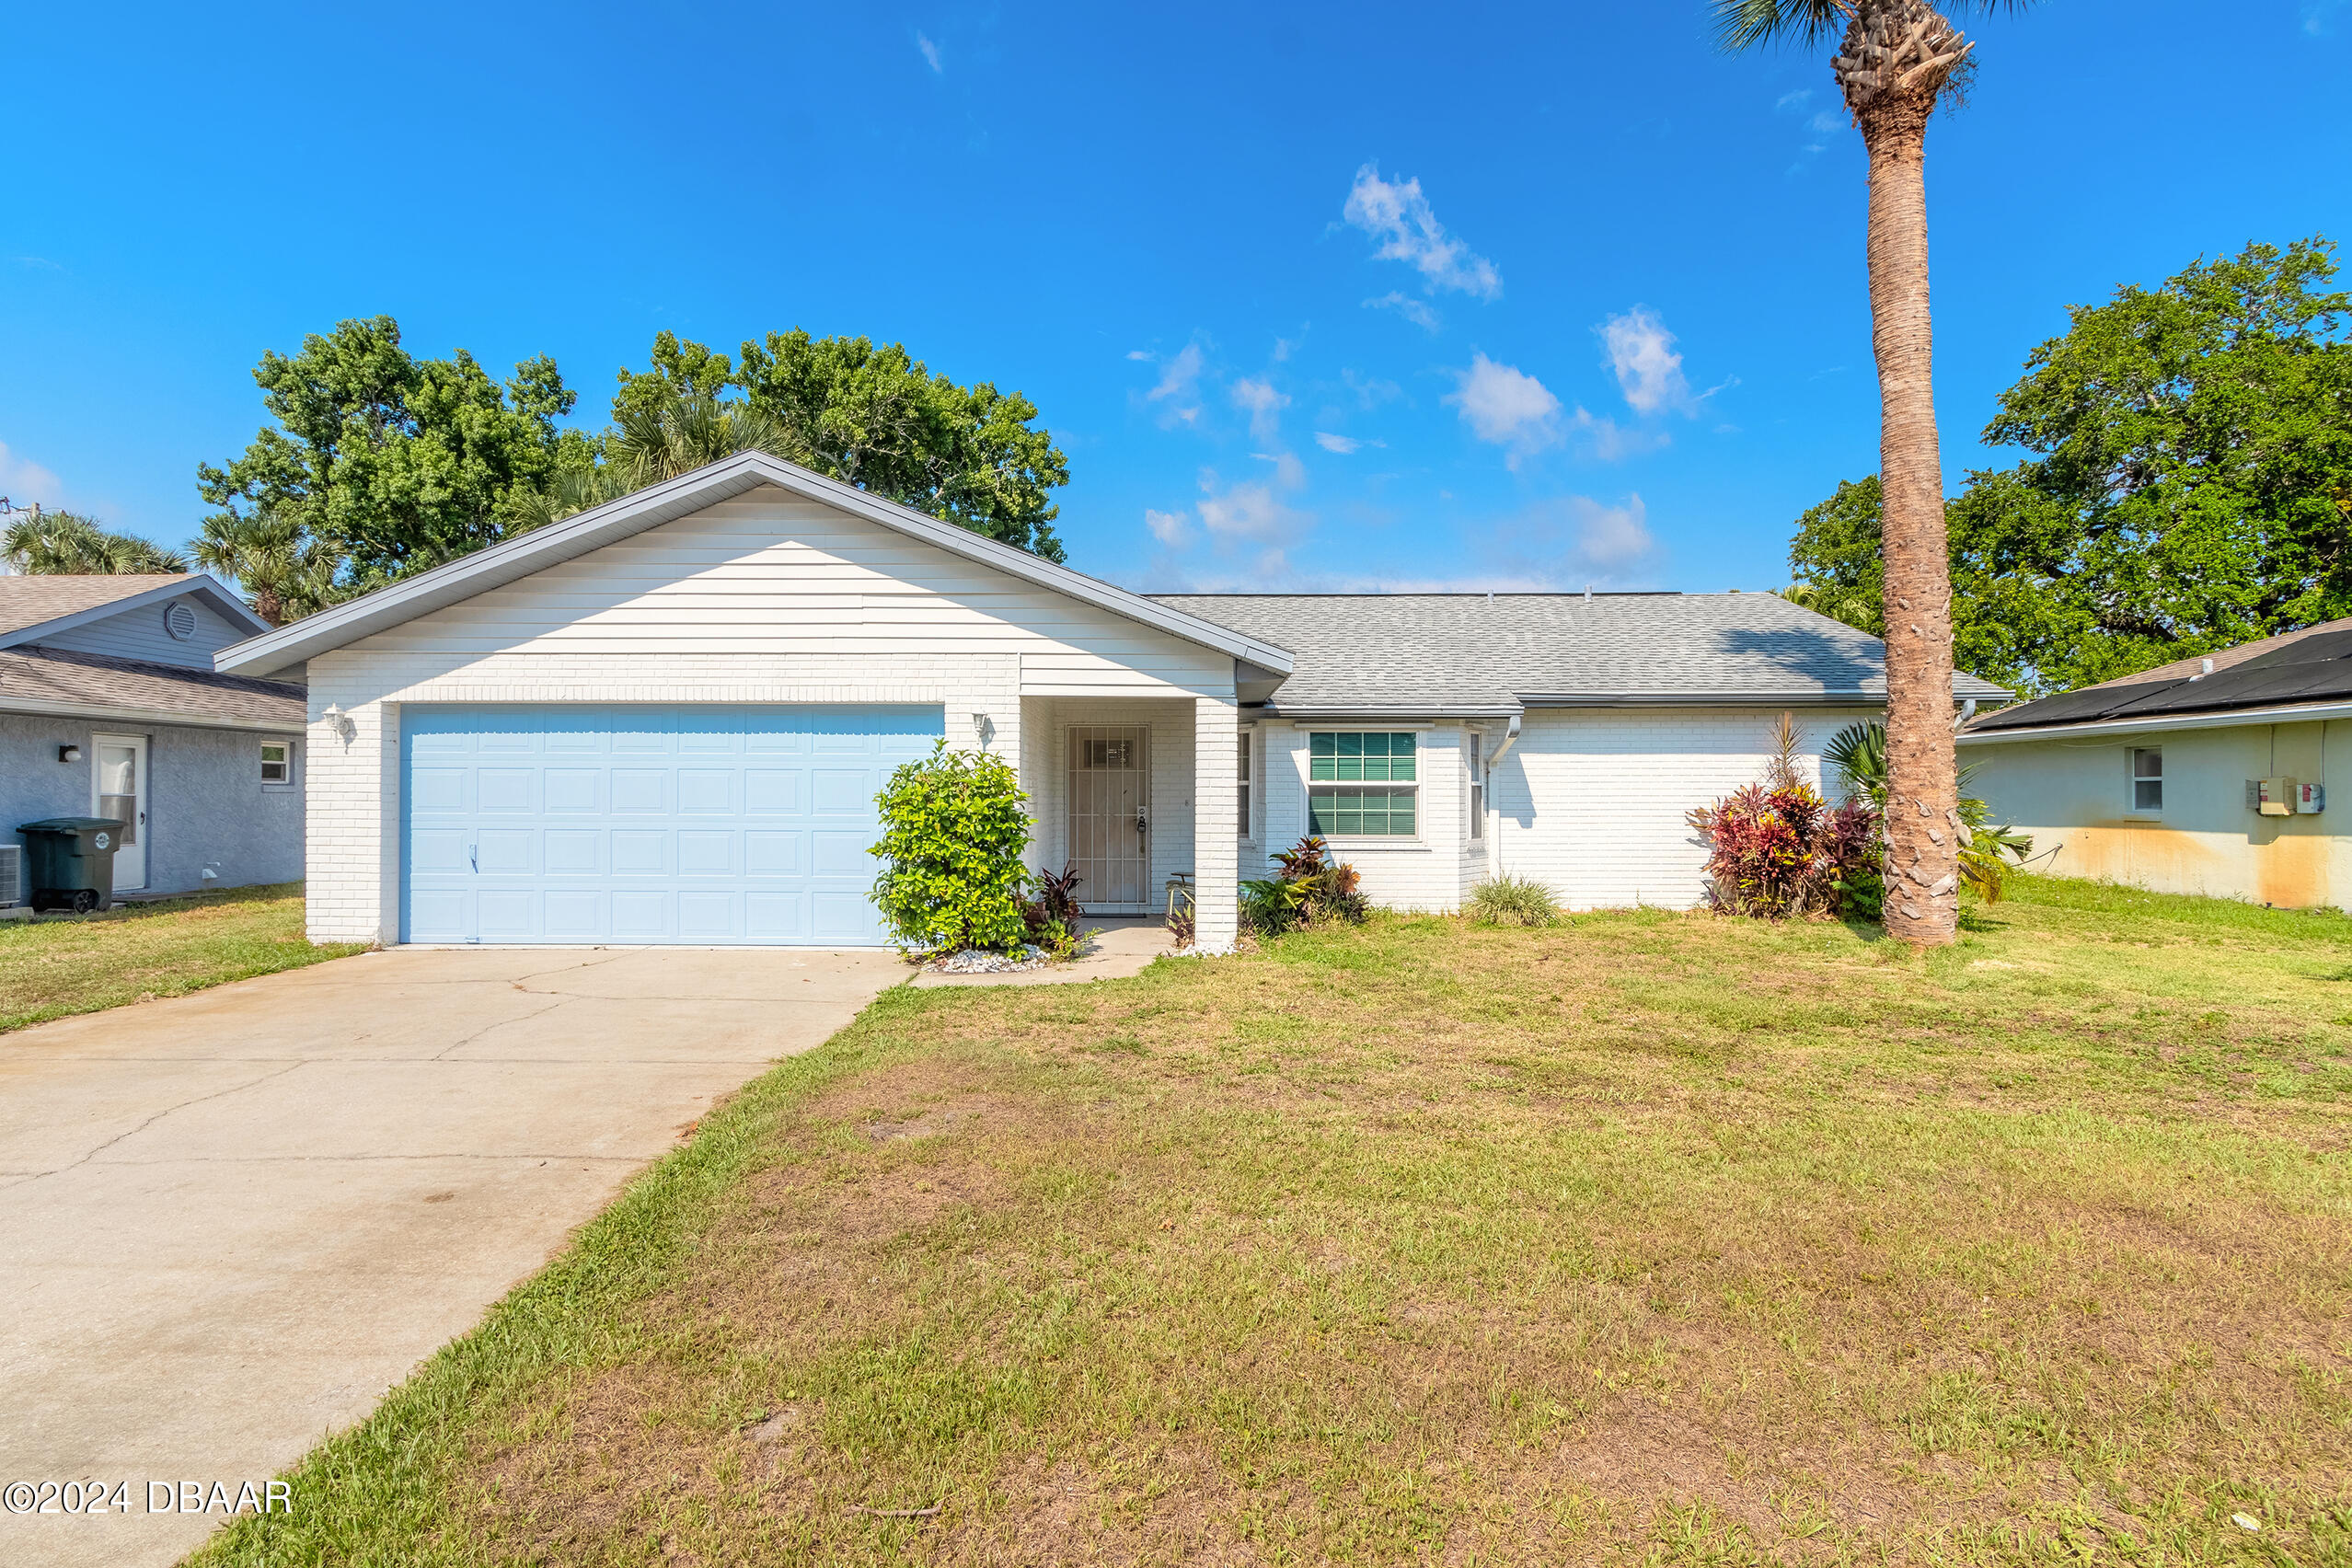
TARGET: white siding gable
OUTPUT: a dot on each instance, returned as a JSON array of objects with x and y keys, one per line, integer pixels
[
  {"x": 769, "y": 574},
  {"x": 140, "y": 634}
]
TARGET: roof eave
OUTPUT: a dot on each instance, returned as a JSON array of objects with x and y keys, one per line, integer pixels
[
  {"x": 457, "y": 581},
  {"x": 106, "y": 712},
  {"x": 2154, "y": 723}
]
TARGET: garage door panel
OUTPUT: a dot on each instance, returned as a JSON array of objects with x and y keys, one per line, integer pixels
[{"x": 703, "y": 825}]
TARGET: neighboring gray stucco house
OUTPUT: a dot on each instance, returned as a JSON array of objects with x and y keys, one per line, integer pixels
[
  {"x": 666, "y": 719},
  {"x": 110, "y": 705},
  {"x": 2206, "y": 775}
]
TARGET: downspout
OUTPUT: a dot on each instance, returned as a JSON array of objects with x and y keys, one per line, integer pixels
[{"x": 1495, "y": 840}]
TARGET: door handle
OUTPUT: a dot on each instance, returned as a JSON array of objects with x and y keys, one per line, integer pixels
[{"x": 1140, "y": 826}]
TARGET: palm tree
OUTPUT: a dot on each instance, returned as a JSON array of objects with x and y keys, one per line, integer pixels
[
  {"x": 1897, "y": 60},
  {"x": 284, "y": 572},
  {"x": 684, "y": 431},
  {"x": 66, "y": 544}
]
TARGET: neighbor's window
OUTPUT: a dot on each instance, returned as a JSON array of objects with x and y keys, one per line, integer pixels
[
  {"x": 1362, "y": 786},
  {"x": 277, "y": 761},
  {"x": 1243, "y": 775},
  {"x": 1477, "y": 786},
  {"x": 2147, "y": 779}
]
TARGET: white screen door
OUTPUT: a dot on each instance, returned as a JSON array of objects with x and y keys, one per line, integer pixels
[
  {"x": 119, "y": 790},
  {"x": 1110, "y": 815}
]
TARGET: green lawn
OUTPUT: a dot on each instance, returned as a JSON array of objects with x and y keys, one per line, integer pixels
[
  {"x": 136, "y": 952},
  {"x": 1653, "y": 1239}
]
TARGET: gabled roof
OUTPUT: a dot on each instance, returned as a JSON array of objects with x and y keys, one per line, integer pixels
[
  {"x": 33, "y": 608},
  {"x": 518, "y": 557},
  {"x": 2296, "y": 668},
  {"x": 1473, "y": 655},
  {"x": 50, "y": 680}
]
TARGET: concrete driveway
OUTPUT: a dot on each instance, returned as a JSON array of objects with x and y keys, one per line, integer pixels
[{"x": 228, "y": 1222}]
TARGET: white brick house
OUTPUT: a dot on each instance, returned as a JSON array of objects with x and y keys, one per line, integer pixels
[{"x": 664, "y": 720}]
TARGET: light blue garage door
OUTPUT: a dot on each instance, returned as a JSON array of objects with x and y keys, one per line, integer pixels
[{"x": 693, "y": 824}]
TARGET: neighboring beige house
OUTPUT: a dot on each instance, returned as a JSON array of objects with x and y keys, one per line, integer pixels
[
  {"x": 2207, "y": 775},
  {"x": 665, "y": 720}
]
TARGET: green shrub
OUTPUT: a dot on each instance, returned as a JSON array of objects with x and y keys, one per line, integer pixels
[
  {"x": 952, "y": 834},
  {"x": 1310, "y": 889},
  {"x": 1507, "y": 900}
]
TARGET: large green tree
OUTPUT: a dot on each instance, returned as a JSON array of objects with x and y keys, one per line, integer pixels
[
  {"x": 2190, "y": 487},
  {"x": 389, "y": 461},
  {"x": 1894, "y": 62},
  {"x": 870, "y": 416}
]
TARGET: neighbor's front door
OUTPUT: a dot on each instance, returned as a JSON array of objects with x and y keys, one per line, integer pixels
[
  {"x": 119, "y": 790},
  {"x": 1110, "y": 816}
]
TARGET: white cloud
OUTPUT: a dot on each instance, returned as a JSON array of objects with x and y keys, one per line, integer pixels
[
  {"x": 2317, "y": 15},
  {"x": 1641, "y": 350},
  {"x": 1404, "y": 304},
  {"x": 1173, "y": 529},
  {"x": 1145, "y": 355},
  {"x": 1262, "y": 403},
  {"x": 930, "y": 54},
  {"x": 1345, "y": 446},
  {"x": 1180, "y": 380},
  {"x": 1503, "y": 405},
  {"x": 1571, "y": 541},
  {"x": 1797, "y": 98},
  {"x": 1827, "y": 123},
  {"x": 1371, "y": 391},
  {"x": 1608, "y": 441},
  {"x": 1399, "y": 217},
  {"x": 23, "y": 481}
]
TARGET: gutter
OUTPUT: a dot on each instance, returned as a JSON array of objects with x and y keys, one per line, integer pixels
[
  {"x": 1816, "y": 697},
  {"x": 2221, "y": 718},
  {"x": 39, "y": 709}
]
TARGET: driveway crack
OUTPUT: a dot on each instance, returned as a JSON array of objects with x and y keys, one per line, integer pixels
[
  {"x": 501, "y": 1023},
  {"x": 166, "y": 1111}
]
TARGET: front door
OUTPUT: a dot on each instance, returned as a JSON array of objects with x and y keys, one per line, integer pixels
[
  {"x": 119, "y": 790},
  {"x": 1110, "y": 816}
]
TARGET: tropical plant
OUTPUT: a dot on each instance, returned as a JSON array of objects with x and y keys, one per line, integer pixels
[
  {"x": 952, "y": 835},
  {"x": 66, "y": 544},
  {"x": 1987, "y": 854},
  {"x": 1509, "y": 900},
  {"x": 1052, "y": 917},
  {"x": 1895, "y": 61},
  {"x": 1776, "y": 852},
  {"x": 283, "y": 571},
  {"x": 1308, "y": 888}
]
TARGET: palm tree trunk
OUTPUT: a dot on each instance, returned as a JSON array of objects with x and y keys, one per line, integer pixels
[{"x": 1923, "y": 803}]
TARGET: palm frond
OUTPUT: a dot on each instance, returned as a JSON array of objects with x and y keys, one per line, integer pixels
[{"x": 1743, "y": 24}]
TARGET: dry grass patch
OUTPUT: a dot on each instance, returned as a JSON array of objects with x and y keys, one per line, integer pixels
[{"x": 1651, "y": 1239}]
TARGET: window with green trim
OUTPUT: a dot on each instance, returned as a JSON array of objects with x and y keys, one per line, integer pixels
[{"x": 1363, "y": 786}]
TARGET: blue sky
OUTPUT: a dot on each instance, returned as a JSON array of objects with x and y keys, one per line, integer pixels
[{"x": 1322, "y": 297}]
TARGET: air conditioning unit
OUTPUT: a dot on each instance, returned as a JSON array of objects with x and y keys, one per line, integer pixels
[{"x": 12, "y": 875}]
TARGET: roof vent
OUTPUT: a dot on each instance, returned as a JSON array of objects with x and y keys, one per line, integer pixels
[
  {"x": 179, "y": 621},
  {"x": 1588, "y": 593}
]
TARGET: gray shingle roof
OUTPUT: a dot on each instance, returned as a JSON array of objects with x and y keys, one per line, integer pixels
[
  {"x": 30, "y": 600},
  {"x": 50, "y": 678},
  {"x": 1453, "y": 652}
]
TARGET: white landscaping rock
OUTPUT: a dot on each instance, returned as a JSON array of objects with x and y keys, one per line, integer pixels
[{"x": 980, "y": 961}]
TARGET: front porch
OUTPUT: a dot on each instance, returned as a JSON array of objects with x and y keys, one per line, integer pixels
[{"x": 1114, "y": 786}]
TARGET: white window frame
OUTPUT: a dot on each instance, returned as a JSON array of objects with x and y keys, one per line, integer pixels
[
  {"x": 1247, "y": 766},
  {"x": 287, "y": 763},
  {"x": 1369, "y": 840},
  {"x": 1474, "y": 753},
  {"x": 2132, "y": 759}
]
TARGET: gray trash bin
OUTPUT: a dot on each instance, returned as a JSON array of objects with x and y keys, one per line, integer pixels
[{"x": 71, "y": 861}]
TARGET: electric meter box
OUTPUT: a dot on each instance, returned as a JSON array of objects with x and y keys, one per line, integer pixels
[
  {"x": 2311, "y": 799},
  {"x": 2274, "y": 797}
]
